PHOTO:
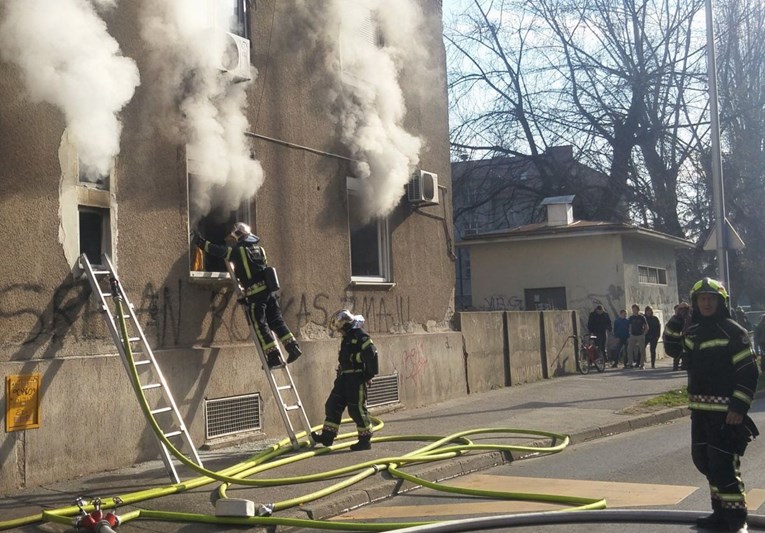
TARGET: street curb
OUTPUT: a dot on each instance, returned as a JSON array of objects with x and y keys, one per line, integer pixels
[{"x": 387, "y": 487}]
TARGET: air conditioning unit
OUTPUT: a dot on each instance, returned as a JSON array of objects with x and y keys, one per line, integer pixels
[
  {"x": 235, "y": 59},
  {"x": 423, "y": 188}
]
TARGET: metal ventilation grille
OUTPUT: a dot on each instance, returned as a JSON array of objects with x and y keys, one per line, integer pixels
[
  {"x": 235, "y": 414},
  {"x": 384, "y": 391}
]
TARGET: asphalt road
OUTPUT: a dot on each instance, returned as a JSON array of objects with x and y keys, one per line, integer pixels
[{"x": 647, "y": 469}]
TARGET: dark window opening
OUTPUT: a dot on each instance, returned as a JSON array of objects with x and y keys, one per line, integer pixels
[
  {"x": 545, "y": 299},
  {"x": 365, "y": 243},
  {"x": 94, "y": 233}
]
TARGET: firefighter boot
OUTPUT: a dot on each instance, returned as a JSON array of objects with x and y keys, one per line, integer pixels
[
  {"x": 274, "y": 358},
  {"x": 294, "y": 350},
  {"x": 714, "y": 521},
  {"x": 325, "y": 437},
  {"x": 363, "y": 444}
]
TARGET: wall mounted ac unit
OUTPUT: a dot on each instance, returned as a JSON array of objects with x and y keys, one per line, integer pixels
[
  {"x": 423, "y": 188},
  {"x": 235, "y": 59}
]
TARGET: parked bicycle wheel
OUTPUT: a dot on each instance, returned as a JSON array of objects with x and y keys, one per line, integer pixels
[
  {"x": 583, "y": 361},
  {"x": 600, "y": 361}
]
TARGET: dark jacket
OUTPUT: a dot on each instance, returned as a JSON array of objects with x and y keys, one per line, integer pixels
[
  {"x": 673, "y": 336},
  {"x": 722, "y": 374},
  {"x": 598, "y": 324},
  {"x": 249, "y": 259},
  {"x": 622, "y": 328},
  {"x": 654, "y": 328},
  {"x": 358, "y": 355}
]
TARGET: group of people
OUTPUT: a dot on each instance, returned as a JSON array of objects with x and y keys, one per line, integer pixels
[
  {"x": 357, "y": 357},
  {"x": 634, "y": 334},
  {"x": 704, "y": 339}
]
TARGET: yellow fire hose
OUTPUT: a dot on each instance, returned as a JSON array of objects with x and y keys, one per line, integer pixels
[{"x": 440, "y": 448}]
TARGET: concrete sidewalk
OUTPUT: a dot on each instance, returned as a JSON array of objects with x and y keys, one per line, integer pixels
[{"x": 583, "y": 407}]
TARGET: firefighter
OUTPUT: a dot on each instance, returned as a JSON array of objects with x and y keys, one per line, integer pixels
[
  {"x": 358, "y": 365},
  {"x": 722, "y": 379},
  {"x": 259, "y": 284},
  {"x": 673, "y": 335}
]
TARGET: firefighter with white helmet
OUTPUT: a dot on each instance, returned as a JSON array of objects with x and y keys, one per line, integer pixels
[
  {"x": 357, "y": 366},
  {"x": 259, "y": 284},
  {"x": 722, "y": 379}
]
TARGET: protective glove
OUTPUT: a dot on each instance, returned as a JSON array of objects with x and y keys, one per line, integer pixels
[{"x": 197, "y": 239}]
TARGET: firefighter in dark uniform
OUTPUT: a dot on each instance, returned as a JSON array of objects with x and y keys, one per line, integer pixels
[
  {"x": 259, "y": 285},
  {"x": 673, "y": 334},
  {"x": 358, "y": 365},
  {"x": 722, "y": 379}
]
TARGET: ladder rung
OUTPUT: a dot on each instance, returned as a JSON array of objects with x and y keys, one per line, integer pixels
[
  {"x": 126, "y": 317},
  {"x": 106, "y": 295},
  {"x": 173, "y": 434},
  {"x": 143, "y": 362},
  {"x": 284, "y": 387},
  {"x": 151, "y": 386},
  {"x": 100, "y": 272},
  {"x": 161, "y": 410},
  {"x": 134, "y": 339},
  {"x": 291, "y": 407}
]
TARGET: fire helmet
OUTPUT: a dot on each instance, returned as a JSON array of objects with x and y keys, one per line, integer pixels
[
  {"x": 709, "y": 286},
  {"x": 240, "y": 231},
  {"x": 343, "y": 320}
]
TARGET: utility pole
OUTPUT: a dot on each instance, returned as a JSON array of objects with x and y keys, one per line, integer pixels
[{"x": 718, "y": 195}]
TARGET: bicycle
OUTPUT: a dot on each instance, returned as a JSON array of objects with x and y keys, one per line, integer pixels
[{"x": 589, "y": 354}]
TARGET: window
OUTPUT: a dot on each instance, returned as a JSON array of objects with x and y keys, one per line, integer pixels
[
  {"x": 652, "y": 275},
  {"x": 214, "y": 225},
  {"x": 98, "y": 181},
  {"x": 232, "y": 17},
  {"x": 369, "y": 240},
  {"x": 94, "y": 233}
]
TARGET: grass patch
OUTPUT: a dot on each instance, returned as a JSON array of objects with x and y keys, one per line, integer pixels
[{"x": 673, "y": 398}]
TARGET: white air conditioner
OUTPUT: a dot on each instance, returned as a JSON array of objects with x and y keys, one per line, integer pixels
[
  {"x": 423, "y": 188},
  {"x": 235, "y": 59}
]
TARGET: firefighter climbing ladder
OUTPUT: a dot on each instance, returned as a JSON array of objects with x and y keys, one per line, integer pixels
[
  {"x": 146, "y": 367},
  {"x": 286, "y": 395}
]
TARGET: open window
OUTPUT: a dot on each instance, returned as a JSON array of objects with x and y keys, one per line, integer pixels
[
  {"x": 95, "y": 233},
  {"x": 232, "y": 17},
  {"x": 214, "y": 224},
  {"x": 369, "y": 240}
]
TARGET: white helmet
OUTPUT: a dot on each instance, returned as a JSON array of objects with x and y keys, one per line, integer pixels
[
  {"x": 344, "y": 320},
  {"x": 240, "y": 231}
]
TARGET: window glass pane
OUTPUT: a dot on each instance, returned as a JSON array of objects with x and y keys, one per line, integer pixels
[
  {"x": 642, "y": 274},
  {"x": 662, "y": 276},
  {"x": 92, "y": 234},
  {"x": 365, "y": 243},
  {"x": 232, "y": 17}
]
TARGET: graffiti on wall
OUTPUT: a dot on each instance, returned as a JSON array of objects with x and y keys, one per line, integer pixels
[
  {"x": 501, "y": 302},
  {"x": 414, "y": 362},
  {"x": 163, "y": 312}
]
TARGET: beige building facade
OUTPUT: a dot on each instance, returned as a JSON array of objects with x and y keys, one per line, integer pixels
[
  {"x": 339, "y": 219},
  {"x": 577, "y": 265}
]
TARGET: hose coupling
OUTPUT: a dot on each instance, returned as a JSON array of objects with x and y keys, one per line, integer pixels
[{"x": 266, "y": 509}]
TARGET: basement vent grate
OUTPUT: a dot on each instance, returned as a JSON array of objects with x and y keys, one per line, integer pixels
[
  {"x": 384, "y": 391},
  {"x": 232, "y": 415}
]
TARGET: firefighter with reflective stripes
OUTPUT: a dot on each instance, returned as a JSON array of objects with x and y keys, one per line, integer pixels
[
  {"x": 357, "y": 366},
  {"x": 259, "y": 284},
  {"x": 722, "y": 379}
]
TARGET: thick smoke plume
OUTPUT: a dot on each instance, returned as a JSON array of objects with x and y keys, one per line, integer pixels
[
  {"x": 198, "y": 105},
  {"x": 365, "y": 99},
  {"x": 68, "y": 59}
]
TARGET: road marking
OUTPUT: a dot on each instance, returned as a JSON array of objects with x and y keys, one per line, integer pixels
[{"x": 617, "y": 494}]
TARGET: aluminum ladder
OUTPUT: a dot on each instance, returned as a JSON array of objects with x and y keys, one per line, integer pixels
[
  {"x": 286, "y": 395},
  {"x": 150, "y": 378}
]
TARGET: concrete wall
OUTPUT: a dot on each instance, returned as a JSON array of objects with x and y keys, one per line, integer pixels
[
  {"x": 525, "y": 347},
  {"x": 485, "y": 346},
  {"x": 588, "y": 267}
]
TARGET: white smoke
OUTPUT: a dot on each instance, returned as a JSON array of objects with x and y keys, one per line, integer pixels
[
  {"x": 68, "y": 59},
  {"x": 197, "y": 105},
  {"x": 366, "y": 98}
]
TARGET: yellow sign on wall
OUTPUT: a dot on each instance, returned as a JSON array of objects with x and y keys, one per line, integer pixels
[{"x": 22, "y": 394}]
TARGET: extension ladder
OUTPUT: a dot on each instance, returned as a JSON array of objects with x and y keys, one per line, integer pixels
[
  {"x": 150, "y": 377},
  {"x": 286, "y": 395}
]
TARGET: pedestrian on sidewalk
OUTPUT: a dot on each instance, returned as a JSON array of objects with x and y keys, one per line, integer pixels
[
  {"x": 599, "y": 324},
  {"x": 653, "y": 334},
  {"x": 636, "y": 343},
  {"x": 259, "y": 285},
  {"x": 673, "y": 335},
  {"x": 357, "y": 366},
  {"x": 722, "y": 379},
  {"x": 621, "y": 332}
]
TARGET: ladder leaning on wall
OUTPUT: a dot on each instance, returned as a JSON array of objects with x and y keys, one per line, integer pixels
[
  {"x": 286, "y": 394},
  {"x": 140, "y": 363}
]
